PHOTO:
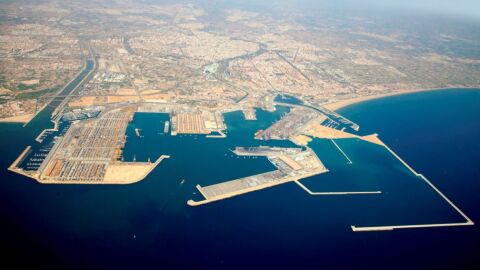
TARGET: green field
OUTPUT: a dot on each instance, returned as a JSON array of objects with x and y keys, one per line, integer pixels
[
  {"x": 22, "y": 86},
  {"x": 37, "y": 94}
]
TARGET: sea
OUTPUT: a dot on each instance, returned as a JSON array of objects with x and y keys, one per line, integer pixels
[{"x": 148, "y": 225}]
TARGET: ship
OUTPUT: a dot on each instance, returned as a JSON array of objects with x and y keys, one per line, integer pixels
[{"x": 166, "y": 127}]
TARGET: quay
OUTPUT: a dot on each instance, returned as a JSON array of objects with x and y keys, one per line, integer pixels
[
  {"x": 250, "y": 114},
  {"x": 93, "y": 159},
  {"x": 242, "y": 186},
  {"x": 292, "y": 164},
  {"x": 265, "y": 151},
  {"x": 220, "y": 135}
]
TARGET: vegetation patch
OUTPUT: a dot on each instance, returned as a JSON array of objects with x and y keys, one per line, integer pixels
[
  {"x": 22, "y": 86},
  {"x": 37, "y": 94}
]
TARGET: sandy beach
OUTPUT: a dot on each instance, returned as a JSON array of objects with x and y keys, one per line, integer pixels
[
  {"x": 18, "y": 119},
  {"x": 319, "y": 131},
  {"x": 334, "y": 106}
]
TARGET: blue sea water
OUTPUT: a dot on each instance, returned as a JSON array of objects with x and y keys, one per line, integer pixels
[{"x": 149, "y": 225}]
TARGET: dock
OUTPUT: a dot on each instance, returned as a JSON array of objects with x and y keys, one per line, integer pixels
[
  {"x": 41, "y": 136},
  {"x": 288, "y": 125},
  {"x": 188, "y": 123},
  {"x": 292, "y": 164},
  {"x": 245, "y": 185},
  {"x": 250, "y": 114},
  {"x": 221, "y": 135},
  {"x": 89, "y": 152},
  {"x": 265, "y": 151}
]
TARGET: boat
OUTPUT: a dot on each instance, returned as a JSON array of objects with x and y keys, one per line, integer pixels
[{"x": 166, "y": 127}]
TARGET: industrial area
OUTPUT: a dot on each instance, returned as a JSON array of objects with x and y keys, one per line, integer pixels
[
  {"x": 85, "y": 146},
  {"x": 89, "y": 152},
  {"x": 199, "y": 122},
  {"x": 288, "y": 125}
]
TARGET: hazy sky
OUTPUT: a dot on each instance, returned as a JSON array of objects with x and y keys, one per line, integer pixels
[
  {"x": 447, "y": 7},
  {"x": 457, "y": 8}
]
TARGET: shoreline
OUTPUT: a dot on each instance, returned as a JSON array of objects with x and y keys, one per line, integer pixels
[
  {"x": 22, "y": 119},
  {"x": 340, "y": 104}
]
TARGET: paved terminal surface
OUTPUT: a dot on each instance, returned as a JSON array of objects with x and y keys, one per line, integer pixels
[
  {"x": 292, "y": 164},
  {"x": 240, "y": 184}
]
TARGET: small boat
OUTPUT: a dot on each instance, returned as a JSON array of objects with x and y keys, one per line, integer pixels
[{"x": 183, "y": 181}]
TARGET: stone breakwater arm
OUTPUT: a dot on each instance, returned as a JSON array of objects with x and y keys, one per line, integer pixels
[{"x": 468, "y": 221}]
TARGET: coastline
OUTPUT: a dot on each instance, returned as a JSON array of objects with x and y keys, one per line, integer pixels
[
  {"x": 340, "y": 104},
  {"x": 18, "y": 119}
]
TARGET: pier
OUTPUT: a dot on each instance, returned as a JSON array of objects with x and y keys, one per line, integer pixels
[
  {"x": 45, "y": 132},
  {"x": 335, "y": 120},
  {"x": 41, "y": 136},
  {"x": 265, "y": 151},
  {"x": 250, "y": 114},
  {"x": 288, "y": 125},
  {"x": 245, "y": 185},
  {"x": 220, "y": 135},
  {"x": 292, "y": 164}
]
